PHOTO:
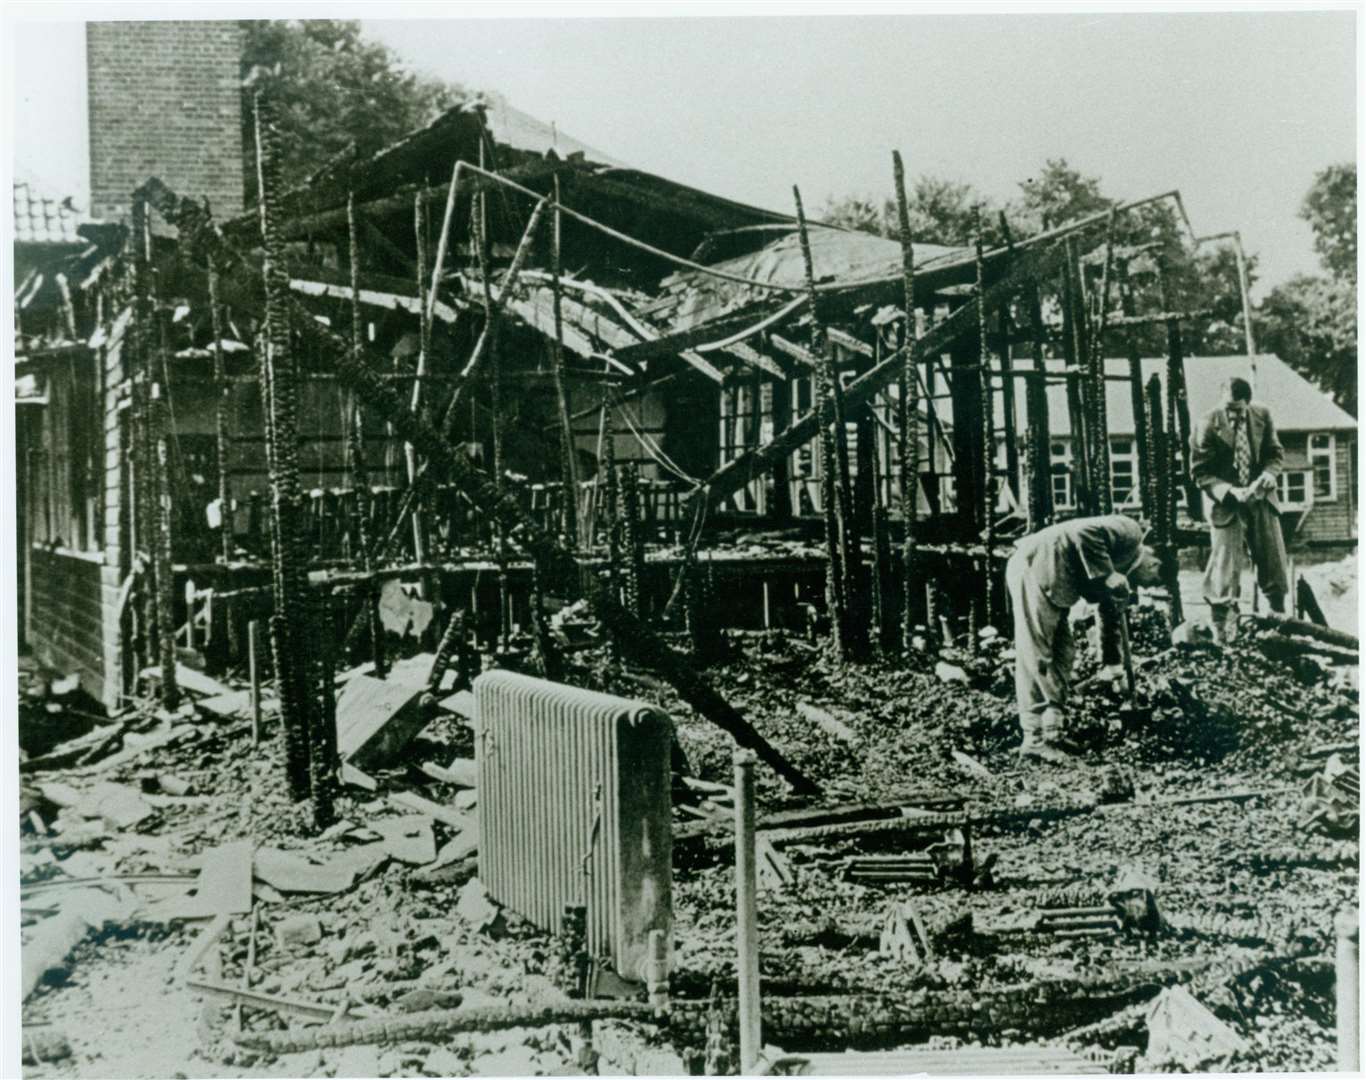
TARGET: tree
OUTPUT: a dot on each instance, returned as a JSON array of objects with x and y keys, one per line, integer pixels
[
  {"x": 331, "y": 88},
  {"x": 1058, "y": 195},
  {"x": 1331, "y": 210},
  {"x": 941, "y": 212},
  {"x": 1310, "y": 322}
]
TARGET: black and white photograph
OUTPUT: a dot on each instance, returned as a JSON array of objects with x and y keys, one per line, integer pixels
[{"x": 681, "y": 539}]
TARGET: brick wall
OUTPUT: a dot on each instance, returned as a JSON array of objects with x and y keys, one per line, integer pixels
[{"x": 164, "y": 100}]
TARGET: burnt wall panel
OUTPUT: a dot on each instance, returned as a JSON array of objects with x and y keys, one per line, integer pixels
[{"x": 66, "y": 632}]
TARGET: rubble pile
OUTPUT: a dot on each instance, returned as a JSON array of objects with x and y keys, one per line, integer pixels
[{"x": 940, "y": 893}]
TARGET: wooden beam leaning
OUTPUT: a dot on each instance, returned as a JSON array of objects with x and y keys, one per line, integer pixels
[
  {"x": 639, "y": 642},
  {"x": 735, "y": 474}
]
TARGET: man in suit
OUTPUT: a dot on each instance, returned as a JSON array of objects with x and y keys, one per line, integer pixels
[
  {"x": 1235, "y": 459},
  {"x": 1082, "y": 559}
]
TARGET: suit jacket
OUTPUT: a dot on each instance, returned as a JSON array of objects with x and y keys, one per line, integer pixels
[
  {"x": 1212, "y": 463},
  {"x": 1072, "y": 559}
]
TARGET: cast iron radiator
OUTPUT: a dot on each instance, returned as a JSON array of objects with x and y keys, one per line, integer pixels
[{"x": 574, "y": 809}]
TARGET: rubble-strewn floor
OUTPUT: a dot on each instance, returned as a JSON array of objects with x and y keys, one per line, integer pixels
[{"x": 1248, "y": 895}]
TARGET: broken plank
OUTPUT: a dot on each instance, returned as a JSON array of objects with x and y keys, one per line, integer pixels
[
  {"x": 189, "y": 679},
  {"x": 291, "y": 872},
  {"x": 377, "y": 718},
  {"x": 447, "y": 816},
  {"x": 226, "y": 706},
  {"x": 352, "y": 775},
  {"x": 461, "y": 772}
]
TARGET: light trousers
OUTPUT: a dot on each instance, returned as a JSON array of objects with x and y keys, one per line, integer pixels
[
  {"x": 1255, "y": 532},
  {"x": 1044, "y": 650}
]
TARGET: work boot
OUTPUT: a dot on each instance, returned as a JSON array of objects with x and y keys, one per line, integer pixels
[
  {"x": 1224, "y": 618},
  {"x": 1276, "y": 602},
  {"x": 1038, "y": 749}
]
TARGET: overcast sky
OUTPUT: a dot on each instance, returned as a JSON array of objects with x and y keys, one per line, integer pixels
[{"x": 1237, "y": 110}]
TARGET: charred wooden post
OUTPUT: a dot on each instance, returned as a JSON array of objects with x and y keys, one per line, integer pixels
[
  {"x": 1040, "y": 446},
  {"x": 161, "y": 550},
  {"x": 569, "y": 466},
  {"x": 1176, "y": 391},
  {"x": 988, "y": 443},
  {"x": 1100, "y": 453},
  {"x": 162, "y": 488},
  {"x": 908, "y": 413},
  {"x": 633, "y": 535},
  {"x": 360, "y": 482},
  {"x": 865, "y": 481},
  {"x": 222, "y": 396},
  {"x": 142, "y": 448},
  {"x": 841, "y": 537},
  {"x": 780, "y": 507},
  {"x": 545, "y": 656},
  {"x": 322, "y": 743},
  {"x": 885, "y": 624},
  {"x": 1163, "y": 483},
  {"x": 1109, "y": 614},
  {"x": 484, "y": 248},
  {"x": 451, "y": 649},
  {"x": 424, "y": 344},
  {"x": 1076, "y": 406},
  {"x": 289, "y": 623},
  {"x": 1136, "y": 401}
]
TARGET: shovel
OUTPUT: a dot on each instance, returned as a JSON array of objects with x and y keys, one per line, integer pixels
[{"x": 1129, "y": 712}]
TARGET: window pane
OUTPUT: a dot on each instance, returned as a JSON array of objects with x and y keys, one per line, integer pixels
[
  {"x": 1320, "y": 442},
  {"x": 1323, "y": 476},
  {"x": 1122, "y": 446}
]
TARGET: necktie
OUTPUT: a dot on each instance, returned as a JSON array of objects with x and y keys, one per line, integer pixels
[{"x": 1242, "y": 451}]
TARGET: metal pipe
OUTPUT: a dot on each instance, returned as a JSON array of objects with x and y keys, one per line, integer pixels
[
  {"x": 1348, "y": 927},
  {"x": 746, "y": 910}
]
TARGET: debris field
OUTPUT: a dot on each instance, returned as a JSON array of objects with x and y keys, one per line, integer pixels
[{"x": 1167, "y": 902}]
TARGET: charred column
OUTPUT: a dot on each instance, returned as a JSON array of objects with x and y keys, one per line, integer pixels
[
  {"x": 849, "y": 639},
  {"x": 988, "y": 443},
  {"x": 1039, "y": 449},
  {"x": 1163, "y": 481},
  {"x": 632, "y": 535},
  {"x": 222, "y": 392},
  {"x": 1076, "y": 411},
  {"x": 908, "y": 414},
  {"x": 360, "y": 483},
  {"x": 1136, "y": 400},
  {"x": 1180, "y": 403},
  {"x": 569, "y": 466},
  {"x": 290, "y": 631}
]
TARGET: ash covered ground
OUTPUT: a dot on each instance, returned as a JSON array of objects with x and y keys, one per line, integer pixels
[{"x": 1197, "y": 790}]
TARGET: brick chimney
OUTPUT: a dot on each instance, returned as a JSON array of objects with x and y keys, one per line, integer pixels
[{"x": 165, "y": 100}]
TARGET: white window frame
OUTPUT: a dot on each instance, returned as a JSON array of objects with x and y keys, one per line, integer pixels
[
  {"x": 1331, "y": 453},
  {"x": 1283, "y": 489},
  {"x": 1131, "y": 456}
]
